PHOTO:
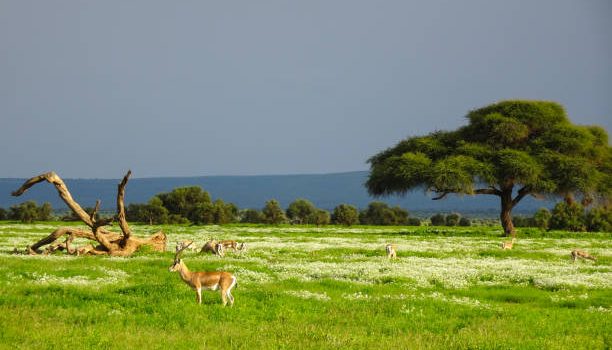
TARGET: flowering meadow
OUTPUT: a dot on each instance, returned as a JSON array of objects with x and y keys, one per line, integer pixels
[{"x": 305, "y": 287}]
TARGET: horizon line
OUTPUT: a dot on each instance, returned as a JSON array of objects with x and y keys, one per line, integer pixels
[{"x": 196, "y": 176}]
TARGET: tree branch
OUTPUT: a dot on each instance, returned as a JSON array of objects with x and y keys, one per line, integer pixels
[
  {"x": 440, "y": 196},
  {"x": 125, "y": 228},
  {"x": 92, "y": 216},
  {"x": 59, "y": 184},
  {"x": 521, "y": 193},
  {"x": 490, "y": 190}
]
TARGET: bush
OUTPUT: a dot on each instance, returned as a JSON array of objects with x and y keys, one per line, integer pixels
[
  {"x": 438, "y": 220},
  {"x": 345, "y": 214},
  {"x": 29, "y": 211},
  {"x": 465, "y": 222},
  {"x": 452, "y": 219},
  {"x": 252, "y": 216},
  {"x": 320, "y": 217},
  {"x": 541, "y": 218},
  {"x": 522, "y": 221},
  {"x": 414, "y": 222},
  {"x": 379, "y": 213},
  {"x": 599, "y": 219},
  {"x": 273, "y": 213},
  {"x": 2, "y": 213},
  {"x": 568, "y": 217}
]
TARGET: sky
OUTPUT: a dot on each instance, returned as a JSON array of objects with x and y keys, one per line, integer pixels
[{"x": 90, "y": 89}]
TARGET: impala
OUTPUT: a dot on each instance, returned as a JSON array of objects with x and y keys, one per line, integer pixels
[
  {"x": 214, "y": 280},
  {"x": 507, "y": 244},
  {"x": 577, "y": 253},
  {"x": 213, "y": 247},
  {"x": 229, "y": 243}
]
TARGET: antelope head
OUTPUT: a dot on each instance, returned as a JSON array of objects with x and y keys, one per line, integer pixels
[{"x": 177, "y": 256}]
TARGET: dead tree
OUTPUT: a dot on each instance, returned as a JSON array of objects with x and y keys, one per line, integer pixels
[{"x": 109, "y": 243}]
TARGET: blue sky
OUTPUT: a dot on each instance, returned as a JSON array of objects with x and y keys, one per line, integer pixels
[{"x": 185, "y": 88}]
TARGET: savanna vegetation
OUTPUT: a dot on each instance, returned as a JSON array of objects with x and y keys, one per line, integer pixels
[
  {"x": 306, "y": 284},
  {"x": 312, "y": 287}
]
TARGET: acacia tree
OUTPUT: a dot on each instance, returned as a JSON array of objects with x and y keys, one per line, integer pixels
[
  {"x": 509, "y": 149},
  {"x": 109, "y": 243}
]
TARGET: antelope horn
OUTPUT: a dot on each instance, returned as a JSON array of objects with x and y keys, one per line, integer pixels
[{"x": 180, "y": 248}]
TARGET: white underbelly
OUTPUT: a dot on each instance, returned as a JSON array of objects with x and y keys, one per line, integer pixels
[{"x": 211, "y": 287}]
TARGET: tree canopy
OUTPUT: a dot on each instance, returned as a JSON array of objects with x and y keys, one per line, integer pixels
[{"x": 509, "y": 149}]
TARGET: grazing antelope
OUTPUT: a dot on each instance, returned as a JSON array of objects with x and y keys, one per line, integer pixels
[
  {"x": 215, "y": 280},
  {"x": 577, "y": 253},
  {"x": 230, "y": 243},
  {"x": 391, "y": 253},
  {"x": 507, "y": 244},
  {"x": 213, "y": 247}
]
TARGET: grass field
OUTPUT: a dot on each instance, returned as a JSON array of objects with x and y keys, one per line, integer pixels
[{"x": 315, "y": 288}]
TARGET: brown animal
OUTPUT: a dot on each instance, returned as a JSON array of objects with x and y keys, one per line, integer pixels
[
  {"x": 577, "y": 253},
  {"x": 213, "y": 247},
  {"x": 228, "y": 243},
  {"x": 391, "y": 253},
  {"x": 507, "y": 244},
  {"x": 215, "y": 280}
]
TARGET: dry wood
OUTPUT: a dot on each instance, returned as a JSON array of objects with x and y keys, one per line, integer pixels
[{"x": 110, "y": 243}]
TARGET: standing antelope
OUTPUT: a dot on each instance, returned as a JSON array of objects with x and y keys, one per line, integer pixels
[
  {"x": 577, "y": 253},
  {"x": 215, "y": 280},
  {"x": 507, "y": 244},
  {"x": 391, "y": 253}
]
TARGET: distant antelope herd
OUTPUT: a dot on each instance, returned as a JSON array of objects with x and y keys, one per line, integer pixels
[{"x": 225, "y": 281}]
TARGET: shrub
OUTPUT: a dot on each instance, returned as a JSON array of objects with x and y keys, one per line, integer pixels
[
  {"x": 541, "y": 218},
  {"x": 522, "y": 221},
  {"x": 452, "y": 219},
  {"x": 252, "y": 216},
  {"x": 345, "y": 214},
  {"x": 273, "y": 213},
  {"x": 599, "y": 219},
  {"x": 438, "y": 220},
  {"x": 568, "y": 217},
  {"x": 29, "y": 211},
  {"x": 414, "y": 221},
  {"x": 379, "y": 213},
  {"x": 465, "y": 222}
]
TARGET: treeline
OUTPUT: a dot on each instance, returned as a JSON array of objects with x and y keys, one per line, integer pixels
[
  {"x": 570, "y": 217},
  {"x": 28, "y": 211},
  {"x": 193, "y": 205}
]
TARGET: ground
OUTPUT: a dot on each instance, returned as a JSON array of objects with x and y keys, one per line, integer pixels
[{"x": 313, "y": 288}]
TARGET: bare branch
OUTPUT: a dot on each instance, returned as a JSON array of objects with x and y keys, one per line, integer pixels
[
  {"x": 60, "y": 232},
  {"x": 125, "y": 228},
  {"x": 62, "y": 189},
  {"x": 92, "y": 216}
]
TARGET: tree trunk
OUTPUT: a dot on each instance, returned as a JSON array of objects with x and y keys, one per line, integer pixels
[
  {"x": 506, "y": 213},
  {"x": 110, "y": 243}
]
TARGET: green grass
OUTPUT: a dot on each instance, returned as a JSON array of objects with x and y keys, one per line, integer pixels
[{"x": 315, "y": 288}]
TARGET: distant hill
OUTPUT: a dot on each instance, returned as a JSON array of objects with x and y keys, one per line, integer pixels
[{"x": 324, "y": 190}]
